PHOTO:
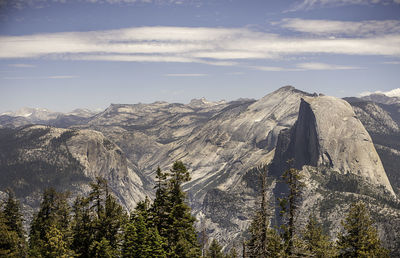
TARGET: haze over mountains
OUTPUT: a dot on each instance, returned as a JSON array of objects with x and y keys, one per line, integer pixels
[{"x": 348, "y": 150}]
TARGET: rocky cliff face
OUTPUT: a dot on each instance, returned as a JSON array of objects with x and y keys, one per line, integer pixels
[
  {"x": 328, "y": 133},
  {"x": 382, "y": 122},
  {"x": 33, "y": 158},
  {"x": 339, "y": 165}
]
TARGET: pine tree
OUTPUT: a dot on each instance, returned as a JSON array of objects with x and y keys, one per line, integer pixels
[
  {"x": 161, "y": 207},
  {"x": 9, "y": 240},
  {"x": 264, "y": 241},
  {"x": 102, "y": 249},
  {"x": 141, "y": 239},
  {"x": 289, "y": 206},
  {"x": 113, "y": 221},
  {"x": 180, "y": 234},
  {"x": 317, "y": 244},
  {"x": 12, "y": 217},
  {"x": 56, "y": 246},
  {"x": 214, "y": 250},
  {"x": 82, "y": 229},
  {"x": 54, "y": 212},
  {"x": 98, "y": 222},
  {"x": 203, "y": 240},
  {"x": 360, "y": 238}
]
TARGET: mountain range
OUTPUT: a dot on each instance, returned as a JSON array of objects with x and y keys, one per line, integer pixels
[{"x": 348, "y": 149}]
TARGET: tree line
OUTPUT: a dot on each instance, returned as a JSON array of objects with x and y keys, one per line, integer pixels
[{"x": 96, "y": 225}]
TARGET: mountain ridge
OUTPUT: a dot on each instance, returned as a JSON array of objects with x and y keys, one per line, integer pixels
[{"x": 222, "y": 146}]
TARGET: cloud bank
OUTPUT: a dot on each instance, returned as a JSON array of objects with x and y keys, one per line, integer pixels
[
  {"x": 211, "y": 46},
  {"x": 311, "y": 4},
  {"x": 21, "y": 4}
]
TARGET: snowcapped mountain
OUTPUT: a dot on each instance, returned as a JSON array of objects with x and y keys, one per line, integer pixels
[
  {"x": 34, "y": 114},
  {"x": 393, "y": 93},
  {"x": 389, "y": 97}
]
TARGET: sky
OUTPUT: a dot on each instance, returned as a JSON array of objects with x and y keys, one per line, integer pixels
[{"x": 62, "y": 55}]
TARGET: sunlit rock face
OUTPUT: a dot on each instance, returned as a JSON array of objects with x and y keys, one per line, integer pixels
[
  {"x": 328, "y": 133},
  {"x": 339, "y": 165},
  {"x": 36, "y": 157}
]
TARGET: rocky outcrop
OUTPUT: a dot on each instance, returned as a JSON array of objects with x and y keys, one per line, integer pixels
[
  {"x": 33, "y": 158},
  {"x": 328, "y": 134}
]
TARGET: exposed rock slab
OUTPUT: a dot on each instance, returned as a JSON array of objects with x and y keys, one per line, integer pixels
[{"x": 328, "y": 134}]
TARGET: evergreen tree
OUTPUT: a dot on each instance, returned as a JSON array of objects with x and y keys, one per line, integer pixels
[
  {"x": 12, "y": 218},
  {"x": 181, "y": 235},
  {"x": 13, "y": 215},
  {"x": 56, "y": 246},
  {"x": 264, "y": 241},
  {"x": 317, "y": 244},
  {"x": 82, "y": 229},
  {"x": 141, "y": 239},
  {"x": 360, "y": 238},
  {"x": 54, "y": 212},
  {"x": 289, "y": 206},
  {"x": 215, "y": 250},
  {"x": 203, "y": 240},
  {"x": 102, "y": 249},
  {"x": 9, "y": 240},
  {"x": 98, "y": 222},
  {"x": 113, "y": 221},
  {"x": 161, "y": 207}
]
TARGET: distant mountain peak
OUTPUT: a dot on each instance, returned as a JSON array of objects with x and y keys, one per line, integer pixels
[
  {"x": 393, "y": 93},
  {"x": 389, "y": 97},
  {"x": 286, "y": 88},
  {"x": 203, "y": 102}
]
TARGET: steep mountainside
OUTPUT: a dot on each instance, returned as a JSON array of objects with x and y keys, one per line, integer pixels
[
  {"x": 339, "y": 164},
  {"x": 382, "y": 121},
  {"x": 222, "y": 144},
  {"x": 33, "y": 158},
  {"x": 327, "y": 133}
]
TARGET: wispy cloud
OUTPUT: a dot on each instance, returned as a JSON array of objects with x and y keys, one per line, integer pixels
[
  {"x": 310, "y": 4},
  {"x": 304, "y": 67},
  {"x": 323, "y": 66},
  {"x": 41, "y": 77},
  {"x": 21, "y": 65},
  {"x": 367, "y": 28},
  {"x": 272, "y": 68},
  {"x": 392, "y": 62},
  {"x": 212, "y": 46},
  {"x": 185, "y": 74}
]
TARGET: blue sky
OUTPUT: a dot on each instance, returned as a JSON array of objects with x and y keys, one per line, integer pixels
[{"x": 62, "y": 54}]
